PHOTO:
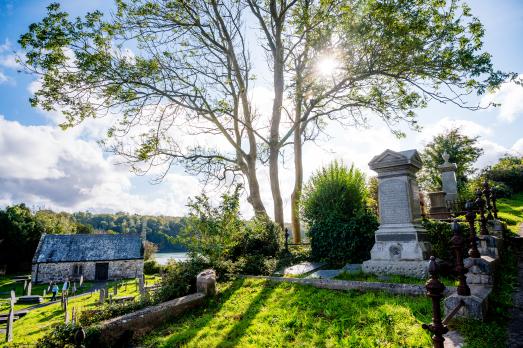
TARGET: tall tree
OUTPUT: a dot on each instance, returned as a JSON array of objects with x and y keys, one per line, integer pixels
[
  {"x": 167, "y": 70},
  {"x": 462, "y": 150}
]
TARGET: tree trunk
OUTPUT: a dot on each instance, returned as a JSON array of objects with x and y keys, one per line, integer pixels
[
  {"x": 298, "y": 185},
  {"x": 274, "y": 150},
  {"x": 254, "y": 189}
]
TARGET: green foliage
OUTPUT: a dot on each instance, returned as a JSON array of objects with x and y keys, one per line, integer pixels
[
  {"x": 463, "y": 151},
  {"x": 20, "y": 231},
  {"x": 148, "y": 250},
  {"x": 508, "y": 172},
  {"x": 229, "y": 243},
  {"x": 61, "y": 336},
  {"x": 179, "y": 278},
  {"x": 151, "y": 267},
  {"x": 511, "y": 211},
  {"x": 341, "y": 229},
  {"x": 439, "y": 234}
]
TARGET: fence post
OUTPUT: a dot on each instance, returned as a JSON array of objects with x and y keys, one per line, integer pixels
[
  {"x": 480, "y": 203},
  {"x": 286, "y": 239},
  {"x": 10, "y": 318},
  {"x": 458, "y": 243},
  {"x": 471, "y": 217},
  {"x": 435, "y": 290},
  {"x": 493, "y": 197},
  {"x": 487, "y": 192}
]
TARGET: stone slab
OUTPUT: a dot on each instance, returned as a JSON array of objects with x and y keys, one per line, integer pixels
[
  {"x": 325, "y": 274},
  {"x": 417, "y": 269},
  {"x": 303, "y": 268},
  {"x": 338, "y": 284},
  {"x": 352, "y": 268},
  {"x": 29, "y": 299},
  {"x": 476, "y": 305}
]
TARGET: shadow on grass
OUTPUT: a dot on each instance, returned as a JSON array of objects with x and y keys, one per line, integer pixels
[
  {"x": 199, "y": 321},
  {"x": 238, "y": 330}
]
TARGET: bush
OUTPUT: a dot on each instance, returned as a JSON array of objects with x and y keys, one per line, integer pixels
[
  {"x": 62, "y": 335},
  {"x": 179, "y": 278},
  {"x": 341, "y": 228},
  {"x": 229, "y": 244},
  {"x": 508, "y": 171},
  {"x": 439, "y": 234},
  {"x": 151, "y": 267}
]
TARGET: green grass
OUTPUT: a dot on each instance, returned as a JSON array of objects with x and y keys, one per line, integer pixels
[
  {"x": 366, "y": 277},
  {"x": 38, "y": 322},
  {"x": 260, "y": 313},
  {"x": 511, "y": 211}
]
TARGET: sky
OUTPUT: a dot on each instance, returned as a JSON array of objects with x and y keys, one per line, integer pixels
[{"x": 46, "y": 167}]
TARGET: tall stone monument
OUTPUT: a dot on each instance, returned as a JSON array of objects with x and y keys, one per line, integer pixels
[
  {"x": 401, "y": 245},
  {"x": 449, "y": 183}
]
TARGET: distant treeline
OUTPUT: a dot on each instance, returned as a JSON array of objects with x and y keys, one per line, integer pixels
[{"x": 21, "y": 228}]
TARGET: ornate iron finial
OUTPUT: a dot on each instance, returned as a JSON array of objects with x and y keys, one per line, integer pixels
[
  {"x": 487, "y": 192},
  {"x": 471, "y": 217},
  {"x": 493, "y": 197},
  {"x": 458, "y": 244},
  {"x": 435, "y": 291},
  {"x": 480, "y": 203}
]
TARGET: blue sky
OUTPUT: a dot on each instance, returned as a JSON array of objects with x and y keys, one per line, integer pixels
[{"x": 46, "y": 167}]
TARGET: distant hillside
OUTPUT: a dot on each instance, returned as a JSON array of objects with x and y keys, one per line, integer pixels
[{"x": 160, "y": 230}]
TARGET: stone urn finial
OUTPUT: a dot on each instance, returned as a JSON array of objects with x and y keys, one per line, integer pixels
[{"x": 445, "y": 157}]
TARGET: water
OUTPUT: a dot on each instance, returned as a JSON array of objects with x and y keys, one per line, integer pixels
[{"x": 163, "y": 258}]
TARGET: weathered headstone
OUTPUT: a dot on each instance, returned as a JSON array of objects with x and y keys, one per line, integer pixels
[
  {"x": 10, "y": 318},
  {"x": 401, "y": 245},
  {"x": 74, "y": 288},
  {"x": 142, "y": 287},
  {"x": 81, "y": 281},
  {"x": 449, "y": 183},
  {"x": 44, "y": 293},
  {"x": 66, "y": 312},
  {"x": 101, "y": 300},
  {"x": 29, "y": 288},
  {"x": 25, "y": 286},
  {"x": 115, "y": 289}
]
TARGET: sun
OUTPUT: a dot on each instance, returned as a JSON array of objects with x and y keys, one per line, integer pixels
[{"x": 327, "y": 66}]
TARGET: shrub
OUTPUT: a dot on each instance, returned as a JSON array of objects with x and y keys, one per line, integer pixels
[
  {"x": 439, "y": 234},
  {"x": 179, "y": 278},
  {"x": 341, "y": 228},
  {"x": 227, "y": 243},
  {"x": 508, "y": 171},
  {"x": 151, "y": 267},
  {"x": 62, "y": 335}
]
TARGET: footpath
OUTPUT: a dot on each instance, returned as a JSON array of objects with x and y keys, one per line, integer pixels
[{"x": 515, "y": 328}]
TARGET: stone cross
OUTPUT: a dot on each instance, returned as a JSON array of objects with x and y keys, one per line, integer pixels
[
  {"x": 401, "y": 245},
  {"x": 449, "y": 182}
]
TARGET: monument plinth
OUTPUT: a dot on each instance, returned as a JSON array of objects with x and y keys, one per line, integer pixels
[{"x": 401, "y": 245}]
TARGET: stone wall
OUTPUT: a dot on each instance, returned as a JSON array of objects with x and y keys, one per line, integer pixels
[{"x": 60, "y": 271}]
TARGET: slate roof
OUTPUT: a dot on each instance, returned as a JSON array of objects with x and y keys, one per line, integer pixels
[{"x": 88, "y": 247}]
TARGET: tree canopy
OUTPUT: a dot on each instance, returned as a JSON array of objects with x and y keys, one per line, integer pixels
[
  {"x": 462, "y": 150},
  {"x": 177, "y": 78}
]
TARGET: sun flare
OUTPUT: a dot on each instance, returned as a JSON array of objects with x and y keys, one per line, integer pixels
[{"x": 327, "y": 66}]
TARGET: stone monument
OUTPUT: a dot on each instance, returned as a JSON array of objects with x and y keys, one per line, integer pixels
[
  {"x": 449, "y": 183},
  {"x": 401, "y": 245}
]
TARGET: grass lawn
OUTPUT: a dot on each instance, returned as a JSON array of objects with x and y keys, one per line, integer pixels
[
  {"x": 259, "y": 313},
  {"x": 365, "y": 277},
  {"x": 511, "y": 210},
  {"x": 38, "y": 322}
]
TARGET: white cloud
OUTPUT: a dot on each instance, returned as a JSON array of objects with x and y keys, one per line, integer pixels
[
  {"x": 510, "y": 96},
  {"x": 466, "y": 127},
  {"x": 3, "y": 78},
  {"x": 518, "y": 147},
  {"x": 44, "y": 166}
]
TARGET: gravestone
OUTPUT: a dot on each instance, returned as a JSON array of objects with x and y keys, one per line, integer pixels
[
  {"x": 10, "y": 318},
  {"x": 401, "y": 245},
  {"x": 449, "y": 183},
  {"x": 101, "y": 300},
  {"x": 29, "y": 288}
]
